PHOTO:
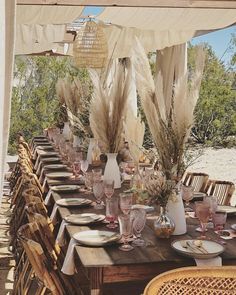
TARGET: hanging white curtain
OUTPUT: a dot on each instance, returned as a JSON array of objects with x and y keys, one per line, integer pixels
[{"x": 7, "y": 32}]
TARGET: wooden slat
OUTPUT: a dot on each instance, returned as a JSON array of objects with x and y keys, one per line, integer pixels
[{"x": 136, "y": 3}]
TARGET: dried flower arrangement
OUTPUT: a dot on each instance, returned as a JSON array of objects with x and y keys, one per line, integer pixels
[
  {"x": 109, "y": 106},
  {"x": 134, "y": 134},
  {"x": 169, "y": 121},
  {"x": 75, "y": 97}
]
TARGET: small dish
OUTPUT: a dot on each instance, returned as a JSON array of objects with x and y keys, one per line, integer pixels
[
  {"x": 145, "y": 207},
  {"x": 198, "y": 195},
  {"x": 233, "y": 226},
  {"x": 96, "y": 237},
  {"x": 84, "y": 218},
  {"x": 70, "y": 202},
  {"x": 230, "y": 210},
  {"x": 65, "y": 188},
  {"x": 212, "y": 248},
  {"x": 62, "y": 174}
]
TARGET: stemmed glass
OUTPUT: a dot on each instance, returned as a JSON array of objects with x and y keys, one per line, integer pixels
[
  {"x": 111, "y": 212},
  {"x": 89, "y": 180},
  {"x": 97, "y": 174},
  {"x": 98, "y": 191},
  {"x": 125, "y": 223},
  {"x": 212, "y": 201},
  {"x": 76, "y": 168},
  {"x": 186, "y": 193},
  {"x": 108, "y": 188},
  {"x": 84, "y": 166},
  {"x": 203, "y": 214},
  {"x": 126, "y": 202},
  {"x": 139, "y": 220}
]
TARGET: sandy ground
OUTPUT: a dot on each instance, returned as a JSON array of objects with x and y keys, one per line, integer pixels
[{"x": 220, "y": 164}]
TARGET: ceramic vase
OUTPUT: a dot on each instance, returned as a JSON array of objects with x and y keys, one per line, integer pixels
[
  {"x": 112, "y": 170},
  {"x": 92, "y": 142},
  {"x": 175, "y": 209}
]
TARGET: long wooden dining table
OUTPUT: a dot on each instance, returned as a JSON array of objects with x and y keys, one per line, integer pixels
[{"x": 108, "y": 270}]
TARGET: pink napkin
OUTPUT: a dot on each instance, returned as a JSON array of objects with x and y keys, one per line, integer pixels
[
  {"x": 54, "y": 213},
  {"x": 48, "y": 197}
]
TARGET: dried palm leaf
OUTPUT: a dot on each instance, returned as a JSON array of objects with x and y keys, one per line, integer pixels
[
  {"x": 170, "y": 127},
  {"x": 109, "y": 107}
]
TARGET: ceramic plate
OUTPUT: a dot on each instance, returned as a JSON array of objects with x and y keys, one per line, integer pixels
[
  {"x": 62, "y": 174},
  {"x": 44, "y": 147},
  {"x": 96, "y": 237},
  {"x": 84, "y": 218},
  {"x": 48, "y": 160},
  {"x": 55, "y": 166},
  {"x": 73, "y": 202},
  {"x": 47, "y": 153},
  {"x": 146, "y": 208},
  {"x": 233, "y": 226},
  {"x": 212, "y": 248},
  {"x": 198, "y": 195},
  {"x": 227, "y": 209},
  {"x": 65, "y": 188}
]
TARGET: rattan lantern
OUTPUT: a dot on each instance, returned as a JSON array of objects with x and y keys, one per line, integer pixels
[{"x": 90, "y": 46}]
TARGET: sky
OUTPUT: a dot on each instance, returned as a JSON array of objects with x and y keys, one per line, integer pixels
[{"x": 219, "y": 40}]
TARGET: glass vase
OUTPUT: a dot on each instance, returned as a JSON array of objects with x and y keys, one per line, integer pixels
[{"x": 163, "y": 225}]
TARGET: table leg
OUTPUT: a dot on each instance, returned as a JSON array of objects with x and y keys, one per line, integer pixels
[{"x": 96, "y": 280}]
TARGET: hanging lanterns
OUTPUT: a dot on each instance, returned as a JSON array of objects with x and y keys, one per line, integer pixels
[{"x": 90, "y": 46}]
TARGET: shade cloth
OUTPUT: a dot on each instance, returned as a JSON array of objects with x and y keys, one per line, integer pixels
[
  {"x": 157, "y": 28},
  {"x": 7, "y": 31}
]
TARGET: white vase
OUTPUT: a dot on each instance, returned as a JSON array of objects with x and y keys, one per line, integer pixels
[
  {"x": 66, "y": 131},
  {"x": 76, "y": 141},
  {"x": 92, "y": 142},
  {"x": 112, "y": 170},
  {"x": 175, "y": 209}
]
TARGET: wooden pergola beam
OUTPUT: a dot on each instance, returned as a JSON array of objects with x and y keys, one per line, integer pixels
[{"x": 216, "y": 4}]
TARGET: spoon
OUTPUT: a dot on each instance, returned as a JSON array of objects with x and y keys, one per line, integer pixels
[
  {"x": 199, "y": 245},
  {"x": 187, "y": 246}
]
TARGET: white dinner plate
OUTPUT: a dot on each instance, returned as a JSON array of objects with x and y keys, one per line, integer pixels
[
  {"x": 44, "y": 147},
  {"x": 145, "y": 207},
  {"x": 52, "y": 159},
  {"x": 96, "y": 237},
  {"x": 84, "y": 218},
  {"x": 55, "y": 166},
  {"x": 62, "y": 174},
  {"x": 213, "y": 248},
  {"x": 69, "y": 202},
  {"x": 65, "y": 188},
  {"x": 227, "y": 209},
  {"x": 47, "y": 153}
]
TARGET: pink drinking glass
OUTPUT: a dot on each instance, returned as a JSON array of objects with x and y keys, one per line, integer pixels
[
  {"x": 98, "y": 191},
  {"x": 109, "y": 188},
  {"x": 125, "y": 223},
  {"x": 219, "y": 220},
  {"x": 126, "y": 202},
  {"x": 203, "y": 214},
  {"x": 76, "y": 166},
  {"x": 186, "y": 193},
  {"x": 112, "y": 212},
  {"x": 139, "y": 220}
]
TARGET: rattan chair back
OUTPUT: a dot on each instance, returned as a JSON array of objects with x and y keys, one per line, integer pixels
[
  {"x": 197, "y": 180},
  {"x": 223, "y": 190},
  {"x": 194, "y": 281}
]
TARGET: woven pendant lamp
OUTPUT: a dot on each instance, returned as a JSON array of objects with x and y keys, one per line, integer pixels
[{"x": 90, "y": 46}]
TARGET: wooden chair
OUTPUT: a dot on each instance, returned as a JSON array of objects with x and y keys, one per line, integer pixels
[
  {"x": 194, "y": 281},
  {"x": 197, "y": 180},
  {"x": 223, "y": 190},
  {"x": 43, "y": 262}
]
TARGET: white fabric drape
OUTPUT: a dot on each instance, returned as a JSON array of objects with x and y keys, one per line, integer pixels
[
  {"x": 7, "y": 36},
  {"x": 157, "y": 28}
]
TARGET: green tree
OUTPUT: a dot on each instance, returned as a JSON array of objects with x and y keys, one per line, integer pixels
[
  {"x": 34, "y": 100},
  {"x": 215, "y": 113}
]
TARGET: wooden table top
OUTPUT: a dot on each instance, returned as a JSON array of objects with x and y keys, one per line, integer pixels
[{"x": 157, "y": 250}]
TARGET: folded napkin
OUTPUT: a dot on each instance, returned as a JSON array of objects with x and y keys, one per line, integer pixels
[
  {"x": 60, "y": 236},
  {"x": 39, "y": 170},
  {"x": 216, "y": 261},
  {"x": 54, "y": 213},
  {"x": 68, "y": 267},
  {"x": 222, "y": 234},
  {"x": 44, "y": 183},
  {"x": 48, "y": 197}
]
